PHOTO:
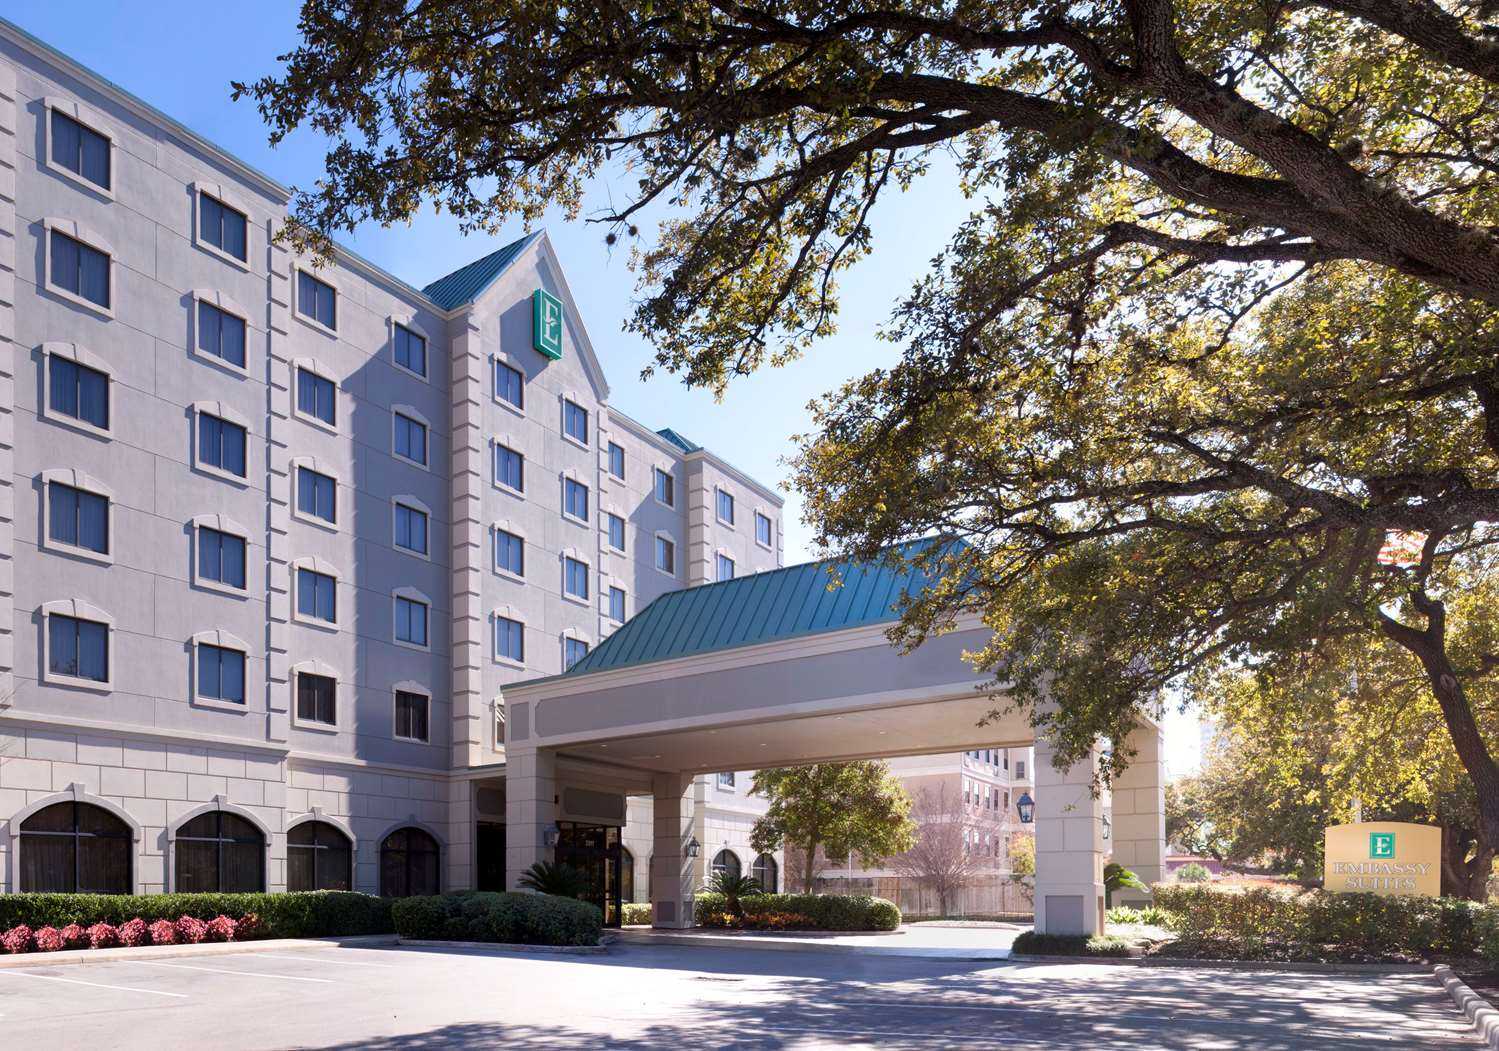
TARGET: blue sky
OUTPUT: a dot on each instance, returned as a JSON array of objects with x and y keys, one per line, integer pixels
[{"x": 180, "y": 58}]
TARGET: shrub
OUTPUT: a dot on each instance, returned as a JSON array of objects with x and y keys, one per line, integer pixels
[
  {"x": 556, "y": 878},
  {"x": 49, "y": 939},
  {"x": 221, "y": 929},
  {"x": 302, "y": 914},
  {"x": 635, "y": 913},
  {"x": 1192, "y": 872},
  {"x": 818, "y": 912},
  {"x": 103, "y": 936},
  {"x": 1030, "y": 943},
  {"x": 17, "y": 939},
  {"x": 163, "y": 932},
  {"x": 134, "y": 933},
  {"x": 191, "y": 930},
  {"x": 514, "y": 918},
  {"x": 249, "y": 928},
  {"x": 1150, "y": 915},
  {"x": 75, "y": 937}
]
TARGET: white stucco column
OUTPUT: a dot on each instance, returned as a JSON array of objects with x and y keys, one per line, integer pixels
[
  {"x": 1069, "y": 846},
  {"x": 530, "y": 810},
  {"x": 671, "y": 868},
  {"x": 1139, "y": 819}
]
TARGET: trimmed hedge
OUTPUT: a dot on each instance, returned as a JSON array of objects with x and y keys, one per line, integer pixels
[
  {"x": 303, "y": 914},
  {"x": 1029, "y": 943},
  {"x": 510, "y": 917},
  {"x": 1268, "y": 923},
  {"x": 635, "y": 913},
  {"x": 819, "y": 912}
]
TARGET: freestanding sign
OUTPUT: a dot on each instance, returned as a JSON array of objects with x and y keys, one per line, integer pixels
[
  {"x": 1383, "y": 857},
  {"x": 546, "y": 323}
]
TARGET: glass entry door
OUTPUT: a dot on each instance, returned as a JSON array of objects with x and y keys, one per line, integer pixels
[
  {"x": 595, "y": 851},
  {"x": 491, "y": 856}
]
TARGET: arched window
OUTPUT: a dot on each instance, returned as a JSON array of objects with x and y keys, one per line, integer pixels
[
  {"x": 408, "y": 864},
  {"x": 75, "y": 848},
  {"x": 626, "y": 875},
  {"x": 727, "y": 862},
  {"x": 219, "y": 851},
  {"x": 766, "y": 872},
  {"x": 318, "y": 857}
]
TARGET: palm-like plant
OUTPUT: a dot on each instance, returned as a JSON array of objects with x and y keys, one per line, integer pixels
[
  {"x": 557, "y": 878},
  {"x": 733, "y": 887},
  {"x": 1116, "y": 877}
]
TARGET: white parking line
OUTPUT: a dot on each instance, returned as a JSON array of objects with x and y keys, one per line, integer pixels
[
  {"x": 96, "y": 985},
  {"x": 240, "y": 974},
  {"x": 322, "y": 959}
]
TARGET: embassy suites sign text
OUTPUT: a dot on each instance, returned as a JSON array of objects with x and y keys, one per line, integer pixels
[{"x": 1383, "y": 857}]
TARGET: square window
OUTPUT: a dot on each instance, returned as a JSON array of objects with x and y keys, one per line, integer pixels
[
  {"x": 509, "y": 553},
  {"x": 573, "y": 650},
  {"x": 574, "y": 578},
  {"x": 509, "y": 639},
  {"x": 221, "y": 557},
  {"x": 317, "y": 698},
  {"x": 575, "y": 499},
  {"x": 509, "y": 468},
  {"x": 763, "y": 529},
  {"x": 616, "y": 531},
  {"x": 411, "y": 715},
  {"x": 509, "y": 385},
  {"x": 223, "y": 227},
  {"x": 317, "y": 595},
  {"x": 726, "y": 779},
  {"x": 725, "y": 567},
  {"x": 411, "y": 351},
  {"x": 725, "y": 507},
  {"x": 221, "y": 444},
  {"x": 315, "y": 397},
  {"x": 411, "y": 529},
  {"x": 221, "y": 673},
  {"x": 316, "y": 495},
  {"x": 77, "y": 648},
  {"x": 81, "y": 150},
  {"x": 78, "y": 391},
  {"x": 617, "y": 460},
  {"x": 77, "y": 518},
  {"x": 666, "y": 488},
  {"x": 666, "y": 555},
  {"x": 411, "y": 439},
  {"x": 317, "y": 300},
  {"x": 221, "y": 334},
  {"x": 411, "y": 621},
  {"x": 80, "y": 269},
  {"x": 575, "y": 421},
  {"x": 617, "y": 604}
]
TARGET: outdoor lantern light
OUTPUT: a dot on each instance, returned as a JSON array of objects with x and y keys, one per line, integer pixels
[
  {"x": 1027, "y": 807},
  {"x": 1108, "y": 826},
  {"x": 693, "y": 847},
  {"x": 551, "y": 835}
]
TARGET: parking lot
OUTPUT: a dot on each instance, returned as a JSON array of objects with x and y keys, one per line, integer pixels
[{"x": 664, "y": 996}]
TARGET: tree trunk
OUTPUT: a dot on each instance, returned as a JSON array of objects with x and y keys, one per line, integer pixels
[
  {"x": 809, "y": 875},
  {"x": 1463, "y": 877}
]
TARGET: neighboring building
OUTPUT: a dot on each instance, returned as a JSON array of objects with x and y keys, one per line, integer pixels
[{"x": 275, "y": 536}]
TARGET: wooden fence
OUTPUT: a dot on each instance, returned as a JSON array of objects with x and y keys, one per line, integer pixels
[{"x": 988, "y": 896}]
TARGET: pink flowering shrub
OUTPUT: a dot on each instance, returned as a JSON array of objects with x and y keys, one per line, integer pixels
[
  {"x": 191, "y": 930},
  {"x": 74, "y": 937},
  {"x": 133, "y": 933},
  {"x": 248, "y": 928},
  {"x": 17, "y": 939},
  {"x": 221, "y": 929},
  {"x": 103, "y": 936},
  {"x": 48, "y": 939},
  {"x": 163, "y": 932}
]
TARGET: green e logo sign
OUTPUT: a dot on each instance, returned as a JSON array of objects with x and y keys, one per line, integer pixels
[
  {"x": 546, "y": 324},
  {"x": 1382, "y": 845}
]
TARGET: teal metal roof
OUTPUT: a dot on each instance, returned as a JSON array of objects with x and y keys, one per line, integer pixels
[
  {"x": 762, "y": 607},
  {"x": 679, "y": 441},
  {"x": 465, "y": 284}
]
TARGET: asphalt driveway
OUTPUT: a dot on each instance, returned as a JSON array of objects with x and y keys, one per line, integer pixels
[{"x": 691, "y": 997}]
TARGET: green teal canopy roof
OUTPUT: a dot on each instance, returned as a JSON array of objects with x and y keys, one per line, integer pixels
[
  {"x": 465, "y": 284},
  {"x": 680, "y": 442},
  {"x": 761, "y": 607}
]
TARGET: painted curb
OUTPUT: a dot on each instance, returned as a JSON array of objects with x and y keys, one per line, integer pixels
[
  {"x": 1231, "y": 965},
  {"x": 711, "y": 941},
  {"x": 507, "y": 947},
  {"x": 1475, "y": 1008},
  {"x": 167, "y": 952}
]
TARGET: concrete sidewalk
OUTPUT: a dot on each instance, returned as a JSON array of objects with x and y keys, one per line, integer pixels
[
  {"x": 168, "y": 952},
  {"x": 919, "y": 941}
]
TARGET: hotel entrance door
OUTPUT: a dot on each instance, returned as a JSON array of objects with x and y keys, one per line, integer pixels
[{"x": 595, "y": 851}]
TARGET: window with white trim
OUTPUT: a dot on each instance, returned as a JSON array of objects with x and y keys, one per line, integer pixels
[
  {"x": 725, "y": 507},
  {"x": 221, "y": 557},
  {"x": 726, "y": 779},
  {"x": 77, "y": 648},
  {"x": 78, "y": 391},
  {"x": 410, "y": 528},
  {"x": 616, "y": 526},
  {"x": 509, "y": 553},
  {"x": 617, "y": 460},
  {"x": 79, "y": 269},
  {"x": 666, "y": 555},
  {"x": 617, "y": 604},
  {"x": 411, "y": 621},
  {"x": 221, "y": 673},
  {"x": 317, "y": 495},
  {"x": 80, "y": 149},
  {"x": 317, "y": 698},
  {"x": 509, "y": 384},
  {"x": 221, "y": 444},
  {"x": 221, "y": 334},
  {"x": 574, "y": 577},
  {"x": 316, "y": 396},
  {"x": 77, "y": 518},
  {"x": 317, "y": 300},
  {"x": 413, "y": 710},
  {"x": 410, "y": 439},
  {"x": 574, "y": 421},
  {"x": 509, "y": 468},
  {"x": 510, "y": 639},
  {"x": 666, "y": 488},
  {"x": 763, "y": 529},
  {"x": 573, "y": 650},
  {"x": 725, "y": 567},
  {"x": 317, "y": 595},
  {"x": 223, "y": 227},
  {"x": 410, "y": 350},
  {"x": 575, "y": 499}
]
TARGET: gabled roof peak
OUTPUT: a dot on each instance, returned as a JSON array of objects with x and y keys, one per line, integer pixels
[{"x": 468, "y": 282}]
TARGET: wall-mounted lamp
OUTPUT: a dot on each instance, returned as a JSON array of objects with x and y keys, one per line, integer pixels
[
  {"x": 1108, "y": 827},
  {"x": 1027, "y": 808},
  {"x": 551, "y": 835},
  {"x": 694, "y": 848}
]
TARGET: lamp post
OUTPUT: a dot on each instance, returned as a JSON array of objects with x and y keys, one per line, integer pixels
[{"x": 1027, "y": 808}]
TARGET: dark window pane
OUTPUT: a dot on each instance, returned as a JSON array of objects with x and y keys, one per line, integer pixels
[
  {"x": 79, "y": 269},
  {"x": 411, "y": 351},
  {"x": 316, "y": 299},
  {"x": 81, "y": 150},
  {"x": 315, "y": 396}
]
